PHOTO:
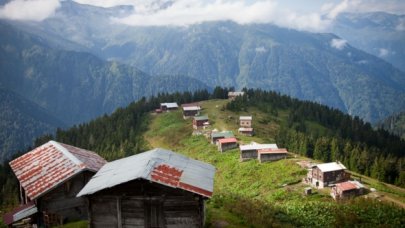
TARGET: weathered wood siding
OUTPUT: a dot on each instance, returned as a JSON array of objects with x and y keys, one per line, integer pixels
[
  {"x": 271, "y": 157},
  {"x": 140, "y": 203},
  {"x": 327, "y": 178},
  {"x": 248, "y": 154},
  {"x": 227, "y": 146},
  {"x": 62, "y": 201}
]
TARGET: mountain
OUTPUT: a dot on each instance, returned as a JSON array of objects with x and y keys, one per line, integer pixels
[
  {"x": 21, "y": 122},
  {"x": 310, "y": 66},
  {"x": 394, "y": 124},
  {"x": 70, "y": 86},
  {"x": 378, "y": 33}
]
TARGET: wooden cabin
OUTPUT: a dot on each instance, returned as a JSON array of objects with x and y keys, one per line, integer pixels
[
  {"x": 165, "y": 107},
  {"x": 50, "y": 176},
  {"x": 220, "y": 135},
  {"x": 227, "y": 144},
  {"x": 323, "y": 175},
  {"x": 233, "y": 95},
  {"x": 190, "y": 110},
  {"x": 250, "y": 151},
  {"x": 198, "y": 122},
  {"x": 157, "y": 188},
  {"x": 245, "y": 121},
  {"x": 347, "y": 190},
  {"x": 248, "y": 131},
  {"x": 266, "y": 155}
]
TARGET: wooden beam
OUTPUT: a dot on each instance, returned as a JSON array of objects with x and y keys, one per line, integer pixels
[{"x": 119, "y": 220}]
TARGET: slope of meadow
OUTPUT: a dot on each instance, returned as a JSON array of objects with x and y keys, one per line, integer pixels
[{"x": 268, "y": 194}]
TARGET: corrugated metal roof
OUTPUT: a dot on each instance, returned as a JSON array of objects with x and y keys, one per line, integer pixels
[
  {"x": 191, "y": 104},
  {"x": 331, "y": 166},
  {"x": 245, "y": 118},
  {"x": 19, "y": 213},
  {"x": 49, "y": 165},
  {"x": 257, "y": 146},
  {"x": 201, "y": 117},
  {"x": 157, "y": 165},
  {"x": 227, "y": 140},
  {"x": 245, "y": 129},
  {"x": 236, "y": 93},
  {"x": 346, "y": 186},
  {"x": 191, "y": 108},
  {"x": 169, "y": 105},
  {"x": 225, "y": 134}
]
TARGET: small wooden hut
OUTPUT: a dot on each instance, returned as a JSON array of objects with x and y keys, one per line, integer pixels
[
  {"x": 266, "y": 155},
  {"x": 165, "y": 107},
  {"x": 220, "y": 135},
  {"x": 347, "y": 190},
  {"x": 323, "y": 175},
  {"x": 199, "y": 121},
  {"x": 50, "y": 176},
  {"x": 250, "y": 151},
  {"x": 227, "y": 144},
  {"x": 157, "y": 188},
  {"x": 233, "y": 95}
]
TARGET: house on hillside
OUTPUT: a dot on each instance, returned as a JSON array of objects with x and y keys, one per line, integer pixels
[
  {"x": 50, "y": 176},
  {"x": 220, "y": 135},
  {"x": 227, "y": 144},
  {"x": 190, "y": 110},
  {"x": 233, "y": 95},
  {"x": 248, "y": 131},
  {"x": 245, "y": 121},
  {"x": 165, "y": 107},
  {"x": 347, "y": 190},
  {"x": 250, "y": 151},
  {"x": 157, "y": 188},
  {"x": 323, "y": 175},
  {"x": 265, "y": 155},
  {"x": 199, "y": 122}
]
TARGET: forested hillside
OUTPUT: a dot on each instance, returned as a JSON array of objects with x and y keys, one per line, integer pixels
[
  {"x": 394, "y": 124},
  {"x": 257, "y": 199}
]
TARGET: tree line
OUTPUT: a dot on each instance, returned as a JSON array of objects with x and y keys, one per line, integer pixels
[{"x": 337, "y": 136}]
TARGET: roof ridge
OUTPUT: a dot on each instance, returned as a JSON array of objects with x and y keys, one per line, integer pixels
[{"x": 66, "y": 153}]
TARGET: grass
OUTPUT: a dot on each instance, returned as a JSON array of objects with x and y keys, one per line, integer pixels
[{"x": 261, "y": 195}]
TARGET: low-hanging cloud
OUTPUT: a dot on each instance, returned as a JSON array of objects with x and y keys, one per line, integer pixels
[
  {"x": 338, "y": 43},
  {"x": 30, "y": 10}
]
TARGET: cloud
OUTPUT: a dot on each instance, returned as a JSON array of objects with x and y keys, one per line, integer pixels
[
  {"x": 31, "y": 10},
  {"x": 382, "y": 52},
  {"x": 401, "y": 25},
  {"x": 338, "y": 43}
]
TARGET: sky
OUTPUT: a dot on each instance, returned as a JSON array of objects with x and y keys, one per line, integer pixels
[{"x": 310, "y": 15}]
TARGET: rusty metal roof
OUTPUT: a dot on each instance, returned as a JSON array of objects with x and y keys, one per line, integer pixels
[
  {"x": 51, "y": 164},
  {"x": 19, "y": 213},
  {"x": 227, "y": 140},
  {"x": 157, "y": 165}
]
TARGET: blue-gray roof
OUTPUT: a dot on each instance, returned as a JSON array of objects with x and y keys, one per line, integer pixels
[{"x": 155, "y": 165}]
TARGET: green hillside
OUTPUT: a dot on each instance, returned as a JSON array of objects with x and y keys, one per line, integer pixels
[
  {"x": 268, "y": 194},
  {"x": 250, "y": 193}
]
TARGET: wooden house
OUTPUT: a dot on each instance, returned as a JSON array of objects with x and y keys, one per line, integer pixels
[
  {"x": 50, "y": 176},
  {"x": 323, "y": 175},
  {"x": 233, "y": 95},
  {"x": 250, "y": 151},
  {"x": 157, "y": 188},
  {"x": 347, "y": 190},
  {"x": 220, "y": 135},
  {"x": 245, "y": 121},
  {"x": 227, "y": 144},
  {"x": 248, "y": 131},
  {"x": 165, "y": 107},
  {"x": 265, "y": 155},
  {"x": 190, "y": 110},
  {"x": 198, "y": 122}
]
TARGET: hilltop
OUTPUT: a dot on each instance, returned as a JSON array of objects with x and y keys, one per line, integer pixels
[{"x": 264, "y": 194}]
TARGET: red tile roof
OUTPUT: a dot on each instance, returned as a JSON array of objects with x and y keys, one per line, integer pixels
[
  {"x": 346, "y": 186},
  {"x": 49, "y": 165},
  {"x": 227, "y": 140},
  {"x": 273, "y": 151}
]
